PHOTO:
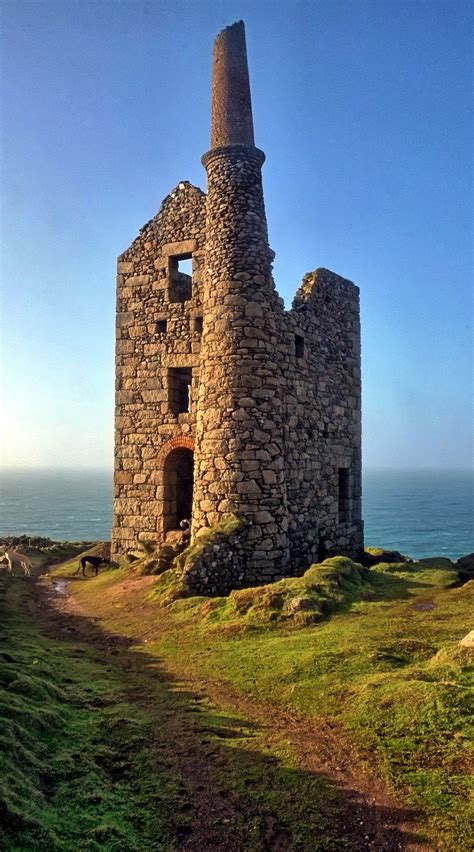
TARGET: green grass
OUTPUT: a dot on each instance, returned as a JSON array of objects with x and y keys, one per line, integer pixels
[
  {"x": 375, "y": 651},
  {"x": 295, "y": 601},
  {"x": 91, "y": 736},
  {"x": 389, "y": 670},
  {"x": 74, "y": 767}
]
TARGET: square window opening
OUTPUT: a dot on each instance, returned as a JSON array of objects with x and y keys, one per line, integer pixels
[
  {"x": 180, "y": 278},
  {"x": 179, "y": 389},
  {"x": 161, "y": 327},
  {"x": 299, "y": 346}
]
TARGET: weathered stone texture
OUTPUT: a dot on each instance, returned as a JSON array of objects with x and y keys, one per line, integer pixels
[
  {"x": 272, "y": 411},
  {"x": 239, "y": 344},
  {"x": 231, "y": 121},
  {"x": 155, "y": 333}
]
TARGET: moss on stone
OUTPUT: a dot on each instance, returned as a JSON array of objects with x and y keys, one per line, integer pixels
[
  {"x": 293, "y": 601},
  {"x": 207, "y": 535}
]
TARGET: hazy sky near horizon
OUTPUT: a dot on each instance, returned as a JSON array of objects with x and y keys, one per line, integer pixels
[{"x": 364, "y": 110}]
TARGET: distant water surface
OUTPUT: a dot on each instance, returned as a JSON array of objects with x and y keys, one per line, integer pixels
[
  {"x": 420, "y": 513},
  {"x": 65, "y": 505}
]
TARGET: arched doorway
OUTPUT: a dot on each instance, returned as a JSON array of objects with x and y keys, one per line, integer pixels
[{"x": 178, "y": 487}]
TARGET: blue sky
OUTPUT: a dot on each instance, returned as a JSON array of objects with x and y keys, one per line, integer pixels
[{"x": 364, "y": 111}]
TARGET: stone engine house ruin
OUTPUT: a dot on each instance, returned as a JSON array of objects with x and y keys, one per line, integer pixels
[{"x": 225, "y": 401}]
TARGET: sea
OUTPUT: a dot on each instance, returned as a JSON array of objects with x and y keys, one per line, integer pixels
[{"x": 418, "y": 512}]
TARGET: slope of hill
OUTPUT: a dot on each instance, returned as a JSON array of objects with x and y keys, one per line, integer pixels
[{"x": 323, "y": 712}]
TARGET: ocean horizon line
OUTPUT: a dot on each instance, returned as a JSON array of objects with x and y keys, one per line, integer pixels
[
  {"x": 418, "y": 511},
  {"x": 98, "y": 469}
]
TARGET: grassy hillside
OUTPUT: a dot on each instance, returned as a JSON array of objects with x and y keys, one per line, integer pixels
[
  {"x": 375, "y": 651},
  {"x": 75, "y": 769},
  {"x": 133, "y": 720}
]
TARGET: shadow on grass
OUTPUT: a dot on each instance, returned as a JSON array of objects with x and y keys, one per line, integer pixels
[
  {"x": 391, "y": 587},
  {"x": 137, "y": 761}
]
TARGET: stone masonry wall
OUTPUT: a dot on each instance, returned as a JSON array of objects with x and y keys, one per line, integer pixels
[
  {"x": 154, "y": 333},
  {"x": 272, "y": 425},
  {"x": 240, "y": 453},
  {"x": 324, "y": 419}
]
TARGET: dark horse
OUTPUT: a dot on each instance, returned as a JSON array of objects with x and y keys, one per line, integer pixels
[{"x": 95, "y": 561}]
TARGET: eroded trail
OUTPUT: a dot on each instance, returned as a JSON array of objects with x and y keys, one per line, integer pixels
[{"x": 249, "y": 776}]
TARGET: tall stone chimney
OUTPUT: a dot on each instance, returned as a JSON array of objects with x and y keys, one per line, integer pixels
[
  {"x": 231, "y": 122},
  {"x": 239, "y": 459}
]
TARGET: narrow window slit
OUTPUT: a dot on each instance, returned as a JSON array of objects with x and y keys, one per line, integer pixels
[
  {"x": 299, "y": 346},
  {"x": 180, "y": 278},
  {"x": 179, "y": 389}
]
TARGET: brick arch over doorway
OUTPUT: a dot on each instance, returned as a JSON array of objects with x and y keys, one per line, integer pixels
[
  {"x": 183, "y": 441},
  {"x": 175, "y": 464}
]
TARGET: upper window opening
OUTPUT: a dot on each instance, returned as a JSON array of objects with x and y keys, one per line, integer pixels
[
  {"x": 161, "y": 327},
  {"x": 185, "y": 265},
  {"x": 198, "y": 325},
  {"x": 179, "y": 389},
  {"x": 299, "y": 346},
  {"x": 181, "y": 278}
]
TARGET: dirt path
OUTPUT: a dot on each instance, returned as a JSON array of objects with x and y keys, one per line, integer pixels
[{"x": 223, "y": 747}]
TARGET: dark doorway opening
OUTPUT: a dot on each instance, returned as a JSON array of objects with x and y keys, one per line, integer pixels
[
  {"x": 299, "y": 346},
  {"x": 178, "y": 487}
]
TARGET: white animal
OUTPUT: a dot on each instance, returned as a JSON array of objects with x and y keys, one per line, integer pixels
[{"x": 13, "y": 556}]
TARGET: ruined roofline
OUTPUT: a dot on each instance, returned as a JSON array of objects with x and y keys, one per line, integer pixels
[
  {"x": 183, "y": 184},
  {"x": 311, "y": 283},
  {"x": 168, "y": 199},
  {"x": 239, "y": 23}
]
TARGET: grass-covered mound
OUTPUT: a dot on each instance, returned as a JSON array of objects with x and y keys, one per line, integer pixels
[{"x": 294, "y": 601}]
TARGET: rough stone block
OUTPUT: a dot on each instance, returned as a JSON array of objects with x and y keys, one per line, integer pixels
[
  {"x": 182, "y": 247},
  {"x": 138, "y": 280},
  {"x": 123, "y": 477},
  {"x": 125, "y": 319}
]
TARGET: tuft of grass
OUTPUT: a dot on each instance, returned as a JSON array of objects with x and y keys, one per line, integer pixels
[{"x": 293, "y": 601}]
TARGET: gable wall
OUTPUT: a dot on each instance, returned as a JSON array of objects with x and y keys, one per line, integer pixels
[{"x": 144, "y": 354}]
